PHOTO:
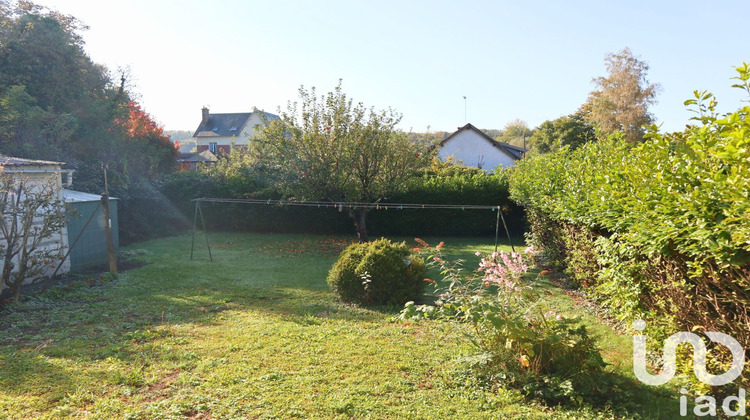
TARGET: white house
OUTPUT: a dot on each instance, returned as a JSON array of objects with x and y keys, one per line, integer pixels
[
  {"x": 218, "y": 133},
  {"x": 472, "y": 147},
  {"x": 37, "y": 174}
]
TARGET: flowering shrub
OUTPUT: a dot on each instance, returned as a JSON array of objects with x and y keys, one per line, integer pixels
[
  {"x": 502, "y": 269},
  {"x": 522, "y": 345}
]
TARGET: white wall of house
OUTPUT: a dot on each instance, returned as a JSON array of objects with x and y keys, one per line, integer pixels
[
  {"x": 219, "y": 140},
  {"x": 38, "y": 175},
  {"x": 469, "y": 148},
  {"x": 252, "y": 127}
]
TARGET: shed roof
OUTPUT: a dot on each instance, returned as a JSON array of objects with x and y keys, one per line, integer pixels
[
  {"x": 72, "y": 196},
  {"x": 14, "y": 161}
]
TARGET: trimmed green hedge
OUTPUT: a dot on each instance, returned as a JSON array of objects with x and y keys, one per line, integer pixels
[
  {"x": 452, "y": 185},
  {"x": 659, "y": 230}
]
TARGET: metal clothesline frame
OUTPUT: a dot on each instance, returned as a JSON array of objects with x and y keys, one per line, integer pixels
[{"x": 341, "y": 206}]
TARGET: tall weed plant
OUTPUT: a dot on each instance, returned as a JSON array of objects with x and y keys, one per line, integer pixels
[{"x": 521, "y": 344}]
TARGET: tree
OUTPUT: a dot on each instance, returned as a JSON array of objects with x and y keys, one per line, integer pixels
[
  {"x": 492, "y": 132},
  {"x": 331, "y": 149},
  {"x": 153, "y": 151},
  {"x": 32, "y": 212},
  {"x": 60, "y": 104},
  {"x": 429, "y": 139},
  {"x": 183, "y": 138},
  {"x": 57, "y": 104},
  {"x": 515, "y": 132},
  {"x": 571, "y": 130},
  {"x": 621, "y": 100}
]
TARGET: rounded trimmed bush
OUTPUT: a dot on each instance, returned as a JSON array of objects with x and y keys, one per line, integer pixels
[{"x": 378, "y": 272}]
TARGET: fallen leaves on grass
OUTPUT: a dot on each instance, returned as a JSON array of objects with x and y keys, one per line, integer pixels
[{"x": 330, "y": 246}]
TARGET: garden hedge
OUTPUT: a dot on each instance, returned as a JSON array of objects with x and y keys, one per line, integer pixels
[
  {"x": 658, "y": 230},
  {"x": 459, "y": 185}
]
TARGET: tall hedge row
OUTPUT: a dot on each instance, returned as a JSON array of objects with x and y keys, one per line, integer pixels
[
  {"x": 660, "y": 230},
  {"x": 456, "y": 185}
]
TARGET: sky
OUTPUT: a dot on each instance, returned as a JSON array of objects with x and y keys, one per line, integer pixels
[{"x": 528, "y": 60}]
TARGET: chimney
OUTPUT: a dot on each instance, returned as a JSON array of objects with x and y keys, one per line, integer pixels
[{"x": 204, "y": 115}]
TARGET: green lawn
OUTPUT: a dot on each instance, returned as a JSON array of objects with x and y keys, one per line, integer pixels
[{"x": 254, "y": 334}]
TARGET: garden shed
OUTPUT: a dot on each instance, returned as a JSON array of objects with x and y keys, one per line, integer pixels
[{"x": 91, "y": 247}]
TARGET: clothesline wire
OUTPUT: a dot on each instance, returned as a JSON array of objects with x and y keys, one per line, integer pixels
[
  {"x": 349, "y": 205},
  {"x": 341, "y": 206}
]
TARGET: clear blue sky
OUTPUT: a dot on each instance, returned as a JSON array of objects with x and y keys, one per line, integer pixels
[{"x": 532, "y": 60}]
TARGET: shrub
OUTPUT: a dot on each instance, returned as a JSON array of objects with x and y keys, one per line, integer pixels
[
  {"x": 378, "y": 272},
  {"x": 522, "y": 346}
]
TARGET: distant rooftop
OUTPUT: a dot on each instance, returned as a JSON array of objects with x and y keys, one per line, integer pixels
[
  {"x": 204, "y": 156},
  {"x": 225, "y": 125}
]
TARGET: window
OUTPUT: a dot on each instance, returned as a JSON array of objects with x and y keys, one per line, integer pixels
[{"x": 212, "y": 147}]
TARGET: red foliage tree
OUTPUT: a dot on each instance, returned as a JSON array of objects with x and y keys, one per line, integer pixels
[{"x": 145, "y": 139}]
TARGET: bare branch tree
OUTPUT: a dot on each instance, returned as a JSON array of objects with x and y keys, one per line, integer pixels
[{"x": 33, "y": 214}]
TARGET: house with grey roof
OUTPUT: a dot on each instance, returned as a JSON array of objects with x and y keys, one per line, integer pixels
[
  {"x": 470, "y": 146},
  {"x": 219, "y": 133},
  {"x": 192, "y": 161}
]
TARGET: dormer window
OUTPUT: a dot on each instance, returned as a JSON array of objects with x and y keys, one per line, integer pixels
[
  {"x": 215, "y": 129},
  {"x": 233, "y": 129}
]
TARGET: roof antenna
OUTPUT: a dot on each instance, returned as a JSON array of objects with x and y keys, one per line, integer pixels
[{"x": 465, "y": 110}]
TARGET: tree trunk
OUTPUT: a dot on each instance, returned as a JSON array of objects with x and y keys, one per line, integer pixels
[
  {"x": 359, "y": 222},
  {"x": 7, "y": 269},
  {"x": 5, "y": 278},
  {"x": 16, "y": 288}
]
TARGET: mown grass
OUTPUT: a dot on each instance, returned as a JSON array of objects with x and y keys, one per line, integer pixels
[{"x": 254, "y": 334}]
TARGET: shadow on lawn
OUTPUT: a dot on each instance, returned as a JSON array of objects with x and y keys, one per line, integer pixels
[
  {"x": 96, "y": 328},
  {"x": 628, "y": 396},
  {"x": 115, "y": 318},
  {"x": 24, "y": 368},
  {"x": 128, "y": 327}
]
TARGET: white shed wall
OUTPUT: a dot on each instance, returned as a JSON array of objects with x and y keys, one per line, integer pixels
[{"x": 37, "y": 175}]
